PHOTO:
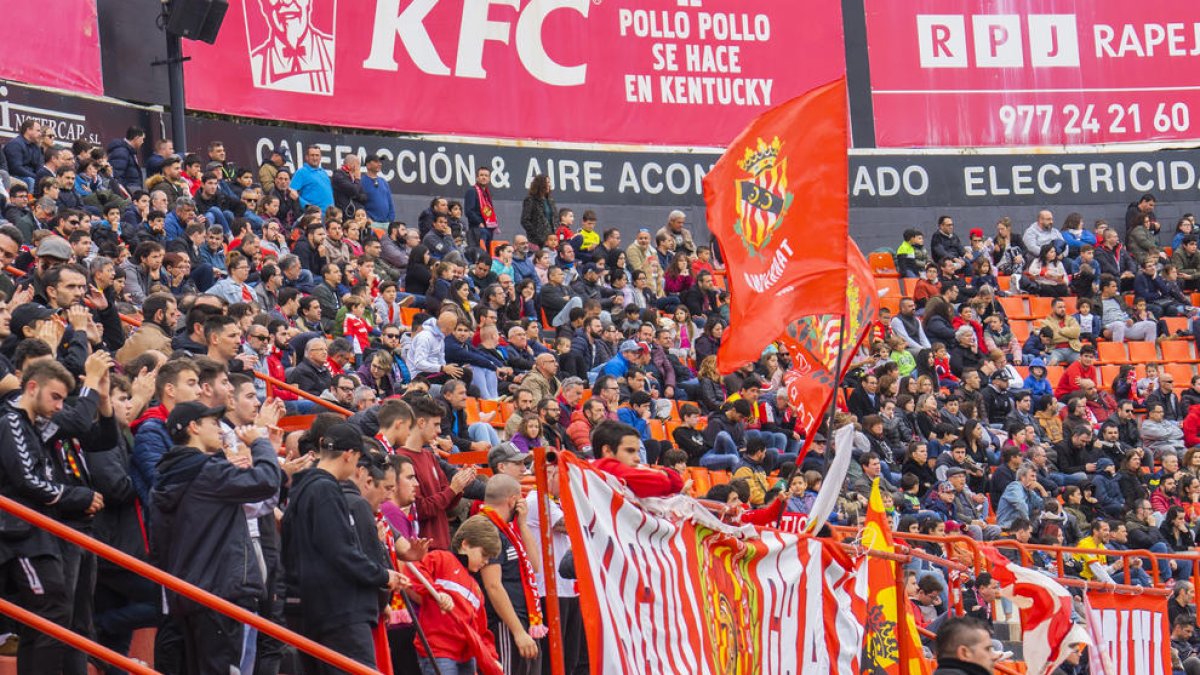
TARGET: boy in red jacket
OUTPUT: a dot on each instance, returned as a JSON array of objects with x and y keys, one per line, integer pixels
[
  {"x": 618, "y": 445},
  {"x": 454, "y": 620}
]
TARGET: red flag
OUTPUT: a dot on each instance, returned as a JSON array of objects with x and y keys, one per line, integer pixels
[
  {"x": 777, "y": 203},
  {"x": 1047, "y": 631},
  {"x": 813, "y": 343}
]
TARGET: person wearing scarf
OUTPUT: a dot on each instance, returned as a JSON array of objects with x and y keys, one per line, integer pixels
[
  {"x": 481, "y": 214},
  {"x": 510, "y": 579}
]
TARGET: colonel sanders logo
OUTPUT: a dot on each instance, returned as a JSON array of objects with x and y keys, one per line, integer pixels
[{"x": 294, "y": 56}]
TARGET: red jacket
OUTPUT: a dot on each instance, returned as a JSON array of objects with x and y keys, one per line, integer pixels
[
  {"x": 1191, "y": 427},
  {"x": 276, "y": 370},
  {"x": 434, "y": 498},
  {"x": 1069, "y": 382},
  {"x": 462, "y": 633},
  {"x": 643, "y": 481}
]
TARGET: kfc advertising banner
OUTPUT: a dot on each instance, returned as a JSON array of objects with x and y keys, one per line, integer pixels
[
  {"x": 53, "y": 43},
  {"x": 968, "y": 73},
  {"x": 1134, "y": 632},
  {"x": 667, "y": 72}
]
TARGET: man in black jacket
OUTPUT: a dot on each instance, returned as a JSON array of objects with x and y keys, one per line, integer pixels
[
  {"x": 200, "y": 532},
  {"x": 312, "y": 374},
  {"x": 333, "y": 585},
  {"x": 997, "y": 401},
  {"x": 701, "y": 297},
  {"x": 32, "y": 559},
  {"x": 945, "y": 244}
]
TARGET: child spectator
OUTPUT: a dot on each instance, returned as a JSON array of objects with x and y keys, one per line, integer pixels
[
  {"x": 454, "y": 621},
  {"x": 911, "y": 256}
]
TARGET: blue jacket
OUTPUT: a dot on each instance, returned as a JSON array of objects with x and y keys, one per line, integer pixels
[
  {"x": 379, "y": 205},
  {"x": 24, "y": 158},
  {"x": 1075, "y": 243},
  {"x": 1038, "y": 385},
  {"x": 629, "y": 416},
  {"x": 1145, "y": 288},
  {"x": 313, "y": 186},
  {"x": 1016, "y": 502},
  {"x": 617, "y": 366},
  {"x": 524, "y": 270},
  {"x": 1109, "y": 498},
  {"x": 1033, "y": 347},
  {"x": 172, "y": 227},
  {"x": 150, "y": 443},
  {"x": 215, "y": 259},
  {"x": 126, "y": 168}
]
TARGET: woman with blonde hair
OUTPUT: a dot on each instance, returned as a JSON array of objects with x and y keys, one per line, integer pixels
[{"x": 712, "y": 385}]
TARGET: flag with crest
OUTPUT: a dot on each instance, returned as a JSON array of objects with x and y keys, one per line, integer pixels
[
  {"x": 778, "y": 205},
  {"x": 887, "y": 620}
]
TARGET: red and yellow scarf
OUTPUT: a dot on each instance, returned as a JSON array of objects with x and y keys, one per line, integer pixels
[{"x": 537, "y": 627}]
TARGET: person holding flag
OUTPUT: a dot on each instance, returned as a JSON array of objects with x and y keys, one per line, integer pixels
[{"x": 452, "y": 609}]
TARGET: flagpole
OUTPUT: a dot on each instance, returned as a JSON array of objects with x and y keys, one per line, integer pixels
[
  {"x": 837, "y": 368},
  {"x": 902, "y": 636}
]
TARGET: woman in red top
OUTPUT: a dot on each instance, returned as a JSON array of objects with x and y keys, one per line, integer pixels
[
  {"x": 454, "y": 620},
  {"x": 679, "y": 276}
]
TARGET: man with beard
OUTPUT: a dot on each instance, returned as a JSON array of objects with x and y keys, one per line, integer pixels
[{"x": 160, "y": 313}]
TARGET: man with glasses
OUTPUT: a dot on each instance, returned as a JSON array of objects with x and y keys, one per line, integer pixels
[
  {"x": 341, "y": 391},
  {"x": 312, "y": 373},
  {"x": 10, "y": 248},
  {"x": 258, "y": 345},
  {"x": 1165, "y": 396},
  {"x": 1127, "y": 424}
]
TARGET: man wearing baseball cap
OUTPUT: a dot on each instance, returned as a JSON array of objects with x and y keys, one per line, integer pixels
[
  {"x": 631, "y": 353},
  {"x": 201, "y": 533},
  {"x": 332, "y": 584},
  {"x": 508, "y": 459}
]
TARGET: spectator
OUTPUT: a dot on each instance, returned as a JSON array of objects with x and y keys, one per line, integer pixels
[
  {"x": 333, "y": 597},
  {"x": 311, "y": 184},
  {"x": 964, "y": 645},
  {"x": 1064, "y": 343},
  {"x": 480, "y": 211},
  {"x": 202, "y": 490},
  {"x": 123, "y": 158},
  {"x": 1042, "y": 232},
  {"x": 618, "y": 447}
]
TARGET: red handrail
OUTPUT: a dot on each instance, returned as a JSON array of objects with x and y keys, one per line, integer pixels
[
  {"x": 291, "y": 388},
  {"x": 182, "y": 587},
  {"x": 73, "y": 639}
]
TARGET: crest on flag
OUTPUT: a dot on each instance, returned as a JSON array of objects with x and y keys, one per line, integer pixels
[{"x": 762, "y": 195}]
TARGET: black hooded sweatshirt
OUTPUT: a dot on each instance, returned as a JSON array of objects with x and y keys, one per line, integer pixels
[
  {"x": 328, "y": 575},
  {"x": 199, "y": 528}
]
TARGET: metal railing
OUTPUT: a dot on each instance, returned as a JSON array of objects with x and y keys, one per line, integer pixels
[{"x": 168, "y": 581}]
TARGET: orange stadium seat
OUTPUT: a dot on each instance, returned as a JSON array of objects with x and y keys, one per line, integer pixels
[
  {"x": 882, "y": 264},
  {"x": 889, "y": 287},
  {"x": 1142, "y": 352},
  {"x": 1108, "y": 374},
  {"x": 892, "y": 304},
  {"x": 718, "y": 477},
  {"x": 1175, "y": 324},
  {"x": 1020, "y": 329},
  {"x": 907, "y": 286},
  {"x": 701, "y": 481},
  {"x": 1054, "y": 374},
  {"x": 1072, "y": 304},
  {"x": 1178, "y": 351},
  {"x": 1183, "y": 374},
  {"x": 1014, "y": 307},
  {"x": 1112, "y": 352},
  {"x": 1039, "y": 307}
]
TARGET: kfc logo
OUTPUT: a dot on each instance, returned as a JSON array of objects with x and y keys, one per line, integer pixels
[{"x": 287, "y": 51}]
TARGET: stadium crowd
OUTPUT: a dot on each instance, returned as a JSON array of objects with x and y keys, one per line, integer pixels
[{"x": 163, "y": 441}]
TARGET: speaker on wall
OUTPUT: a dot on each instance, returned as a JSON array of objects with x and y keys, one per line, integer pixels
[{"x": 197, "y": 19}]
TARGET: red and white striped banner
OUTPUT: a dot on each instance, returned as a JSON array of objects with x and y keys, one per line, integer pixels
[{"x": 677, "y": 594}]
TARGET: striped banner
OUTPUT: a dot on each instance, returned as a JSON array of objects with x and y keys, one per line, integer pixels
[{"x": 665, "y": 589}]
